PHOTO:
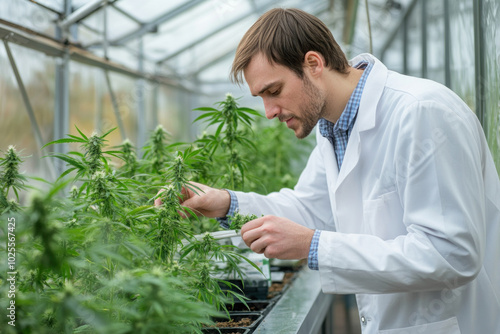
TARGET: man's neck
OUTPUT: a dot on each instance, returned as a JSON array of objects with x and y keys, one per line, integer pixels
[{"x": 341, "y": 86}]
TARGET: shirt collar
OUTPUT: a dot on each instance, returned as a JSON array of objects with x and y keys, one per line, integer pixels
[{"x": 348, "y": 116}]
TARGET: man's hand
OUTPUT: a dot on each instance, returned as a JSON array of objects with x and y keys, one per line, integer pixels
[
  {"x": 207, "y": 201},
  {"x": 277, "y": 237}
]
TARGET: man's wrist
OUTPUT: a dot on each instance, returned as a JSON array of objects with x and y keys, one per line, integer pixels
[{"x": 226, "y": 203}]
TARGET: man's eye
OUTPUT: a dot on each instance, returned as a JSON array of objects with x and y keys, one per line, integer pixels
[{"x": 276, "y": 92}]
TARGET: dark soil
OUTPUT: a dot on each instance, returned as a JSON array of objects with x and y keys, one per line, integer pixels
[
  {"x": 243, "y": 322},
  {"x": 276, "y": 288}
]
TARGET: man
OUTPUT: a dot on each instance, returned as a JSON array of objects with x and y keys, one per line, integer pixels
[{"x": 400, "y": 199}]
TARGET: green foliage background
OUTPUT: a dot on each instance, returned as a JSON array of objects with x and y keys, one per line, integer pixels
[{"x": 93, "y": 255}]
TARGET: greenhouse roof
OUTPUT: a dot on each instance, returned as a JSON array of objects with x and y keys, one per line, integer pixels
[{"x": 184, "y": 43}]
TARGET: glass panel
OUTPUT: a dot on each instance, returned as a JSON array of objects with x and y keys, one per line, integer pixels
[
  {"x": 91, "y": 108},
  {"x": 219, "y": 45},
  {"x": 435, "y": 41},
  {"x": 202, "y": 19},
  {"x": 82, "y": 100},
  {"x": 174, "y": 112},
  {"x": 491, "y": 16},
  {"x": 76, "y": 4},
  {"x": 462, "y": 50},
  {"x": 87, "y": 35},
  {"x": 218, "y": 72},
  {"x": 118, "y": 24},
  {"x": 37, "y": 72},
  {"x": 148, "y": 10},
  {"x": 57, "y": 5},
  {"x": 393, "y": 57},
  {"x": 127, "y": 57},
  {"x": 28, "y": 15},
  {"x": 126, "y": 95}
]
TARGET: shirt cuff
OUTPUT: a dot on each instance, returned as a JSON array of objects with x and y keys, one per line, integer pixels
[
  {"x": 233, "y": 207},
  {"x": 312, "y": 260}
]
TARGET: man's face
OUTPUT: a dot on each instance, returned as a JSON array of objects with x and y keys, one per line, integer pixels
[{"x": 293, "y": 100}]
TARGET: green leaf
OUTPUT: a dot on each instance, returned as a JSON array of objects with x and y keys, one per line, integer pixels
[
  {"x": 219, "y": 129},
  {"x": 107, "y": 133},
  {"x": 66, "y": 172},
  {"x": 69, "y": 160},
  {"x": 250, "y": 111},
  {"x": 81, "y": 134},
  {"x": 63, "y": 141},
  {"x": 209, "y": 114},
  {"x": 140, "y": 209},
  {"x": 206, "y": 109}
]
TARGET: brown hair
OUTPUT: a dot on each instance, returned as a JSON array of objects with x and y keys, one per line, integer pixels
[{"x": 284, "y": 36}]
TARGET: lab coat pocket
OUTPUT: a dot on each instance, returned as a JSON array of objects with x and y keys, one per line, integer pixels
[
  {"x": 448, "y": 326},
  {"x": 383, "y": 216}
]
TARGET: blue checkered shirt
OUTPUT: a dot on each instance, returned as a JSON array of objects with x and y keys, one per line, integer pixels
[
  {"x": 338, "y": 134},
  {"x": 233, "y": 207}
]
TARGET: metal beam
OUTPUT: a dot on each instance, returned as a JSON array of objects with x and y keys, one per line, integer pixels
[
  {"x": 81, "y": 13},
  {"x": 105, "y": 41},
  {"x": 61, "y": 96},
  {"x": 480, "y": 66},
  {"x": 351, "y": 11},
  {"x": 141, "y": 102},
  {"x": 50, "y": 9},
  {"x": 126, "y": 14},
  {"x": 24, "y": 94},
  {"x": 147, "y": 27},
  {"x": 405, "y": 47},
  {"x": 423, "y": 23},
  {"x": 396, "y": 29},
  {"x": 57, "y": 49},
  {"x": 31, "y": 114},
  {"x": 447, "y": 45}
]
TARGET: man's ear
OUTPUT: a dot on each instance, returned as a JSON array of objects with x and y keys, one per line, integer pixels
[{"x": 314, "y": 63}]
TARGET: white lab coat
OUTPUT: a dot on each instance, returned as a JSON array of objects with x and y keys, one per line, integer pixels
[{"x": 411, "y": 224}]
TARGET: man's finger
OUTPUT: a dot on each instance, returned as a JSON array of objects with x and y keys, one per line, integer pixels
[
  {"x": 158, "y": 198},
  {"x": 252, "y": 224}
]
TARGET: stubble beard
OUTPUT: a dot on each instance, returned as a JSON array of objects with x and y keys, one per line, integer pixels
[{"x": 312, "y": 110}]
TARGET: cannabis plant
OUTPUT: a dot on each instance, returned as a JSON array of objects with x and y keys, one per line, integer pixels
[
  {"x": 238, "y": 220},
  {"x": 156, "y": 151},
  {"x": 233, "y": 125},
  {"x": 10, "y": 179},
  {"x": 100, "y": 258},
  {"x": 129, "y": 156},
  {"x": 93, "y": 159}
]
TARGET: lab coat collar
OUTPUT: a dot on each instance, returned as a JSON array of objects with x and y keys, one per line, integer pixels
[
  {"x": 366, "y": 117},
  {"x": 372, "y": 91}
]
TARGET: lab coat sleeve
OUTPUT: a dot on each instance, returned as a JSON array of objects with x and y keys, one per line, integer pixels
[
  {"x": 438, "y": 180},
  {"x": 307, "y": 204}
]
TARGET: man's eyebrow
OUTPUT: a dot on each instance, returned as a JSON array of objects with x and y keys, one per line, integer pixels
[{"x": 266, "y": 87}]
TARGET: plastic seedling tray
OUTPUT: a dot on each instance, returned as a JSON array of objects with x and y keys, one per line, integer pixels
[
  {"x": 261, "y": 306},
  {"x": 252, "y": 289}
]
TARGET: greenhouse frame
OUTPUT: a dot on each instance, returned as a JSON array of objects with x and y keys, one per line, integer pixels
[
  {"x": 72, "y": 68},
  {"x": 115, "y": 40}
]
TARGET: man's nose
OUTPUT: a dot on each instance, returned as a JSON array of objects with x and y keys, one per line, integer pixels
[{"x": 272, "y": 110}]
